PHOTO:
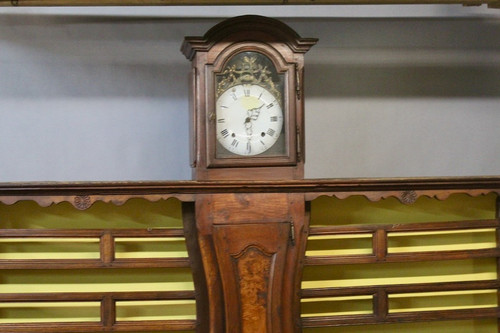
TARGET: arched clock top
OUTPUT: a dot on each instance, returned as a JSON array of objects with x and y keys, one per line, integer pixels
[{"x": 237, "y": 29}]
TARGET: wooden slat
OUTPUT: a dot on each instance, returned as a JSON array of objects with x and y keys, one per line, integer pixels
[
  {"x": 137, "y": 2},
  {"x": 471, "y": 313},
  {"x": 98, "y": 296},
  {"x": 321, "y": 186},
  {"x": 400, "y": 288},
  {"x": 91, "y": 327},
  {"x": 404, "y": 317},
  {"x": 150, "y": 263},
  {"x": 339, "y": 260},
  {"x": 94, "y": 263},
  {"x": 404, "y": 227},
  {"x": 442, "y": 255},
  {"x": 74, "y": 327},
  {"x": 402, "y": 257},
  {"x": 344, "y": 320},
  {"x": 160, "y": 325},
  {"x": 91, "y": 233},
  {"x": 230, "y": 2}
]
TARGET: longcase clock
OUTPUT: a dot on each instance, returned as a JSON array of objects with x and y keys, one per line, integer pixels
[
  {"x": 247, "y": 124},
  {"x": 247, "y": 100}
]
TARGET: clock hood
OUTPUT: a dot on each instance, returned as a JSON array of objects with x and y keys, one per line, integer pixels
[{"x": 236, "y": 30}]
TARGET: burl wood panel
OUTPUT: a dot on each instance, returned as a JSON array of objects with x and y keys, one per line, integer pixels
[{"x": 252, "y": 258}]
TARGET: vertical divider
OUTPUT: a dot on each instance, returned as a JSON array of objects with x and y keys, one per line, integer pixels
[
  {"x": 380, "y": 244},
  {"x": 107, "y": 247},
  {"x": 108, "y": 308},
  {"x": 497, "y": 216},
  {"x": 380, "y": 305},
  {"x": 108, "y": 311},
  {"x": 380, "y": 301}
]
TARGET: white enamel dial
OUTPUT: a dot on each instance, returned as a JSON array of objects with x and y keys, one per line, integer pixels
[{"x": 249, "y": 119}]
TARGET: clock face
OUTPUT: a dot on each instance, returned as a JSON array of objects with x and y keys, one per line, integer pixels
[{"x": 249, "y": 119}]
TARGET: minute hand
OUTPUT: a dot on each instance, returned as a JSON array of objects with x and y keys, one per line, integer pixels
[{"x": 255, "y": 112}]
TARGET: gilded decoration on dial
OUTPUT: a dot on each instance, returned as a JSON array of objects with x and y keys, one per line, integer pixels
[{"x": 247, "y": 69}]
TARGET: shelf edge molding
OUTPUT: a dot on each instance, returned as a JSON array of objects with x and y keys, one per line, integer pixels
[{"x": 82, "y": 195}]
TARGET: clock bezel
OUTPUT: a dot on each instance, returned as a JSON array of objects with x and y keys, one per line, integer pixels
[
  {"x": 289, "y": 158},
  {"x": 267, "y": 120}
]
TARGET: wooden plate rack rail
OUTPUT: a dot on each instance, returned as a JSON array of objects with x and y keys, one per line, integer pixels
[{"x": 84, "y": 195}]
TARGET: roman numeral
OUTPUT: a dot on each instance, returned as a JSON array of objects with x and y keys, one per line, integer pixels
[
  {"x": 269, "y": 105},
  {"x": 235, "y": 143},
  {"x": 274, "y": 119},
  {"x": 263, "y": 147},
  {"x": 271, "y": 132},
  {"x": 246, "y": 92},
  {"x": 233, "y": 95},
  {"x": 224, "y": 133},
  {"x": 221, "y": 120},
  {"x": 249, "y": 148}
]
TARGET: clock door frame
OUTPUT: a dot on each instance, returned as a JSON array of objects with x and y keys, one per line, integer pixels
[{"x": 289, "y": 108}]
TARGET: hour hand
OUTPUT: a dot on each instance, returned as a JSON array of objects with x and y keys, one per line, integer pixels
[{"x": 248, "y": 126}]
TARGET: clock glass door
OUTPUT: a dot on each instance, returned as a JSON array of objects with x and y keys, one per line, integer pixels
[{"x": 250, "y": 112}]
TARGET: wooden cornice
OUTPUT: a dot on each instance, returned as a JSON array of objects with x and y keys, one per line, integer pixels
[
  {"x": 240, "y": 25},
  {"x": 83, "y": 195},
  {"x": 69, "y": 3}
]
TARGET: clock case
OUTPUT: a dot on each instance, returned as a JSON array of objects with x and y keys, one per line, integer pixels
[{"x": 209, "y": 54}]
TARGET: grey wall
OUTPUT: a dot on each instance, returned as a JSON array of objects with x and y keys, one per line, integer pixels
[{"x": 101, "y": 93}]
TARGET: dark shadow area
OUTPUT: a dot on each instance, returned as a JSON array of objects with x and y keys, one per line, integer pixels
[{"x": 402, "y": 81}]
